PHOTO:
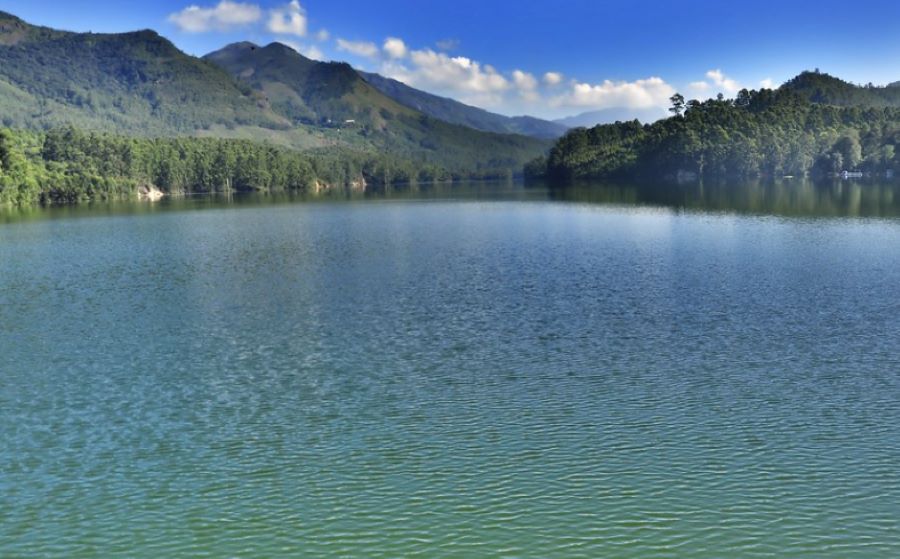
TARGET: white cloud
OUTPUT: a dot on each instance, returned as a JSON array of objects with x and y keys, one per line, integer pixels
[
  {"x": 223, "y": 16},
  {"x": 699, "y": 88},
  {"x": 457, "y": 73},
  {"x": 725, "y": 84},
  {"x": 475, "y": 83},
  {"x": 290, "y": 19},
  {"x": 767, "y": 83},
  {"x": 553, "y": 78},
  {"x": 527, "y": 85},
  {"x": 394, "y": 47},
  {"x": 524, "y": 80},
  {"x": 314, "y": 52},
  {"x": 322, "y": 35},
  {"x": 309, "y": 51},
  {"x": 459, "y": 77},
  {"x": 639, "y": 94},
  {"x": 359, "y": 48}
]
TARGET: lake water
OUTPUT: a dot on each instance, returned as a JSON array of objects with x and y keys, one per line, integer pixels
[{"x": 484, "y": 372}]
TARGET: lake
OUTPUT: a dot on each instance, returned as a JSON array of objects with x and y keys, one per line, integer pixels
[{"x": 486, "y": 371}]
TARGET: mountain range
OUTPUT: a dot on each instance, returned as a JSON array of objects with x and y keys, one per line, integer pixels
[{"x": 139, "y": 83}]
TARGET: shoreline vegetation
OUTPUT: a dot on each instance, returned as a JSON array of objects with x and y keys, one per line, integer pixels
[
  {"x": 66, "y": 165},
  {"x": 813, "y": 126}
]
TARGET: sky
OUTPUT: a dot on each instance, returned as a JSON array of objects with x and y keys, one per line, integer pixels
[{"x": 544, "y": 58}]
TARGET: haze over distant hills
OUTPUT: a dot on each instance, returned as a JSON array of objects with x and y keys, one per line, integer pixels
[
  {"x": 453, "y": 111},
  {"x": 606, "y": 116}
]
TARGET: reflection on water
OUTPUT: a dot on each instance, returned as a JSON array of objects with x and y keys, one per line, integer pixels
[
  {"x": 524, "y": 378},
  {"x": 782, "y": 198},
  {"x": 787, "y": 197}
]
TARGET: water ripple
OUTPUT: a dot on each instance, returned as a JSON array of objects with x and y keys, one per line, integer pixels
[{"x": 449, "y": 379}]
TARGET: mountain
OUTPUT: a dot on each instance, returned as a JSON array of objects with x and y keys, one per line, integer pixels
[
  {"x": 329, "y": 94},
  {"x": 455, "y": 112},
  {"x": 140, "y": 84},
  {"x": 335, "y": 96},
  {"x": 123, "y": 82},
  {"x": 828, "y": 90},
  {"x": 607, "y": 116}
]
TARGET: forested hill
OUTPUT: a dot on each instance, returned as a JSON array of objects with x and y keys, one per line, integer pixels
[
  {"x": 141, "y": 84},
  {"x": 121, "y": 82},
  {"x": 333, "y": 95},
  {"x": 824, "y": 89},
  {"x": 759, "y": 133}
]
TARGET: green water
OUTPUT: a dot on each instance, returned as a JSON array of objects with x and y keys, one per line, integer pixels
[{"x": 485, "y": 372}]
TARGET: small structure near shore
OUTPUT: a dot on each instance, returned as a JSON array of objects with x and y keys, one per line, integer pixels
[{"x": 150, "y": 193}]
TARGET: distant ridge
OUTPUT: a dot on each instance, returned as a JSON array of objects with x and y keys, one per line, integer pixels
[
  {"x": 607, "y": 116},
  {"x": 453, "y": 111}
]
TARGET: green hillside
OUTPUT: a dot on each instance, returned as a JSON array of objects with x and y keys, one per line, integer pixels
[
  {"x": 824, "y": 89},
  {"x": 332, "y": 95},
  {"x": 759, "y": 133},
  {"x": 130, "y": 82}
]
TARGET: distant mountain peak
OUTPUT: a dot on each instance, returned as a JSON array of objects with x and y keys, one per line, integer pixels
[
  {"x": 6, "y": 16},
  {"x": 12, "y": 29},
  {"x": 242, "y": 45},
  {"x": 281, "y": 47}
]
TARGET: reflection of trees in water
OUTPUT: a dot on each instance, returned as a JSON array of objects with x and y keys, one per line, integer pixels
[{"x": 787, "y": 197}]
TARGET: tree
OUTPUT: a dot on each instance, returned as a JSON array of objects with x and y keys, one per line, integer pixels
[
  {"x": 743, "y": 98},
  {"x": 850, "y": 150},
  {"x": 5, "y": 150},
  {"x": 677, "y": 104}
]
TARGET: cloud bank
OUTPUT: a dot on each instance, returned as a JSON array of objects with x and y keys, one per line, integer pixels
[
  {"x": 435, "y": 70},
  {"x": 288, "y": 20},
  {"x": 224, "y": 16}
]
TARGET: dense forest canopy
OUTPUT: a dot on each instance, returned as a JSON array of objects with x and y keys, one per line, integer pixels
[
  {"x": 759, "y": 133},
  {"x": 825, "y": 89},
  {"x": 66, "y": 164}
]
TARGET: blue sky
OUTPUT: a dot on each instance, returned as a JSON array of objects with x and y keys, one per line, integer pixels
[{"x": 547, "y": 58}]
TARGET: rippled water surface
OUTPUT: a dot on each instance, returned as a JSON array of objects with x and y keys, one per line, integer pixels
[{"x": 517, "y": 375}]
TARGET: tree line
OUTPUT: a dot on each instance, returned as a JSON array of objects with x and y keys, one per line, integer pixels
[
  {"x": 67, "y": 164},
  {"x": 762, "y": 133}
]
